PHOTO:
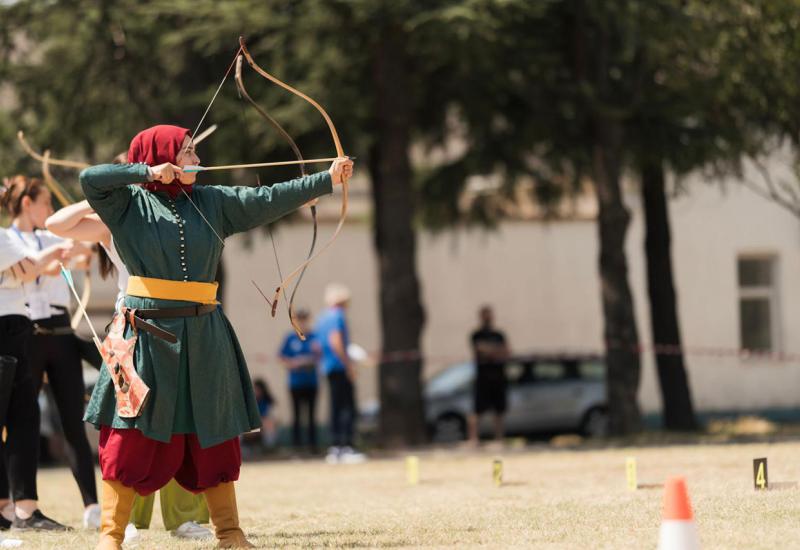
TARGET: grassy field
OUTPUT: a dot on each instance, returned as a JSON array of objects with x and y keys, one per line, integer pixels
[{"x": 573, "y": 498}]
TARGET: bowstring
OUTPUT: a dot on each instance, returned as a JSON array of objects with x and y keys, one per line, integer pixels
[
  {"x": 208, "y": 223},
  {"x": 191, "y": 140},
  {"x": 275, "y": 253},
  {"x": 216, "y": 93}
]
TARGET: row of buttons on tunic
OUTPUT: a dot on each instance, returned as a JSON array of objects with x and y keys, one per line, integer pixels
[{"x": 182, "y": 239}]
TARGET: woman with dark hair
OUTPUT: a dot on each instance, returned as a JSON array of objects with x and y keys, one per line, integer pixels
[
  {"x": 53, "y": 348},
  {"x": 200, "y": 399},
  {"x": 22, "y": 270}
]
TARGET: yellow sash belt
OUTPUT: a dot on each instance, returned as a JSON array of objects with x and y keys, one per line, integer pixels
[{"x": 163, "y": 289}]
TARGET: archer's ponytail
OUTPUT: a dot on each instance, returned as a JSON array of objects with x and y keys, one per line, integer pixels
[{"x": 106, "y": 265}]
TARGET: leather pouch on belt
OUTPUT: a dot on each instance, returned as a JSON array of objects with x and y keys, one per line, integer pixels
[{"x": 117, "y": 352}]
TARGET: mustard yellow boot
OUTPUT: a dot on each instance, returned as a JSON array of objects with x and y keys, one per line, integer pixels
[
  {"x": 115, "y": 510},
  {"x": 221, "y": 502}
]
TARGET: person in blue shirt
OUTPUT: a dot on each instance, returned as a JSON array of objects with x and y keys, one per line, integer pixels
[
  {"x": 332, "y": 335},
  {"x": 300, "y": 359}
]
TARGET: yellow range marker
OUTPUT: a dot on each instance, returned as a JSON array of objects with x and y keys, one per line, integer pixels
[
  {"x": 412, "y": 470},
  {"x": 630, "y": 473},
  {"x": 632, "y": 478},
  {"x": 497, "y": 472}
]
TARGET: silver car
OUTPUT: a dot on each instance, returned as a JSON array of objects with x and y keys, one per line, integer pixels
[{"x": 545, "y": 394}]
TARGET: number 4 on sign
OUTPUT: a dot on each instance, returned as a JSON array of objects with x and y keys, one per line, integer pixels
[{"x": 760, "y": 479}]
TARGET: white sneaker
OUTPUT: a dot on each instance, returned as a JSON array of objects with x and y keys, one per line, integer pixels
[
  {"x": 348, "y": 455},
  {"x": 9, "y": 543},
  {"x": 333, "y": 455},
  {"x": 193, "y": 531},
  {"x": 91, "y": 517},
  {"x": 131, "y": 533}
]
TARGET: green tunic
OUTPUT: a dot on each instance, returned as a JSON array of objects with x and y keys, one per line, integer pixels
[{"x": 200, "y": 384}]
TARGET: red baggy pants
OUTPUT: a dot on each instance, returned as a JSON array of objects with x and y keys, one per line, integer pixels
[{"x": 146, "y": 465}]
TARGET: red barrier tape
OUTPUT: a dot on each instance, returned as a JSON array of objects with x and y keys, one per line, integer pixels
[{"x": 658, "y": 349}]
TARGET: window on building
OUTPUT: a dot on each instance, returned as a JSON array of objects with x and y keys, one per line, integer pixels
[{"x": 758, "y": 304}]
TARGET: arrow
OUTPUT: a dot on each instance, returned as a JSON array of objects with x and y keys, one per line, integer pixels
[{"x": 191, "y": 168}]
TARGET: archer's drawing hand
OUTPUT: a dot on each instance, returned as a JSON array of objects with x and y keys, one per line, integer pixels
[
  {"x": 68, "y": 250},
  {"x": 166, "y": 172},
  {"x": 341, "y": 170}
]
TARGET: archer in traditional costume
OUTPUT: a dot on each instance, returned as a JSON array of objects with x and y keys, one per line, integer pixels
[
  {"x": 182, "y": 512},
  {"x": 200, "y": 397}
]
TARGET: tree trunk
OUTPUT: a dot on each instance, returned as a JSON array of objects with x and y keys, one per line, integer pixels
[
  {"x": 675, "y": 394},
  {"x": 402, "y": 316},
  {"x": 621, "y": 337}
]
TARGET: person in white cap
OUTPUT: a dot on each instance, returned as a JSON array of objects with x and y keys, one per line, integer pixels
[{"x": 333, "y": 337}]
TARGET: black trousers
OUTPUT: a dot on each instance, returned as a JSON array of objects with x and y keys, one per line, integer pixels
[
  {"x": 343, "y": 408},
  {"x": 59, "y": 357},
  {"x": 304, "y": 400},
  {"x": 20, "y": 415}
]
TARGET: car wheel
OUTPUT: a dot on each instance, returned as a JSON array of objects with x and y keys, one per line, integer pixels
[
  {"x": 449, "y": 428},
  {"x": 595, "y": 423}
]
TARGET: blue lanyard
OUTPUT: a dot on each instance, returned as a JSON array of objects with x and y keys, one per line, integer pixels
[{"x": 38, "y": 242}]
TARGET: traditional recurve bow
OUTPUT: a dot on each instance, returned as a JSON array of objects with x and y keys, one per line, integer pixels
[
  {"x": 56, "y": 188},
  {"x": 65, "y": 199},
  {"x": 300, "y": 270},
  {"x": 302, "y": 167}
]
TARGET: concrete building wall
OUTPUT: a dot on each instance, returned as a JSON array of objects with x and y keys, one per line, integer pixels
[{"x": 542, "y": 280}]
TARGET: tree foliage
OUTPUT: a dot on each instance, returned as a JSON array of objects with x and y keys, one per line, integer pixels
[
  {"x": 569, "y": 94},
  {"x": 121, "y": 66},
  {"x": 679, "y": 84}
]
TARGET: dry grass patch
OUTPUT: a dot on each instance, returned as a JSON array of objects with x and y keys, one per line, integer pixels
[{"x": 550, "y": 499}]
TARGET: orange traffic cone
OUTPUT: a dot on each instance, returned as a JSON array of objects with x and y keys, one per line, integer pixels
[{"x": 678, "y": 531}]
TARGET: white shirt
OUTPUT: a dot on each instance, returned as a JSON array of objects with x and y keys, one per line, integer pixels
[
  {"x": 48, "y": 290},
  {"x": 12, "y": 295},
  {"x": 122, "y": 273}
]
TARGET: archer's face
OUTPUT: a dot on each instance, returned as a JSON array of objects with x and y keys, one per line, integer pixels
[
  {"x": 40, "y": 209},
  {"x": 187, "y": 157}
]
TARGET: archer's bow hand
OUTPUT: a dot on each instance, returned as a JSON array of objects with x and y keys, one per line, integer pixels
[{"x": 341, "y": 170}]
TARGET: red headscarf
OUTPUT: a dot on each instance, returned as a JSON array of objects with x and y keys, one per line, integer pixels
[{"x": 158, "y": 145}]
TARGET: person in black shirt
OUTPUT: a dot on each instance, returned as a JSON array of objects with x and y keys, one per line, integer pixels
[{"x": 491, "y": 352}]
